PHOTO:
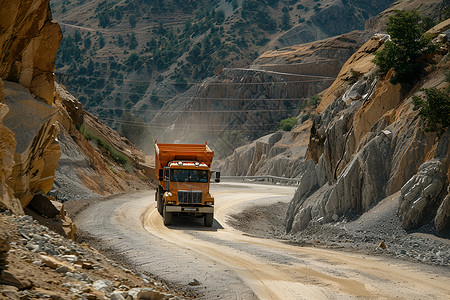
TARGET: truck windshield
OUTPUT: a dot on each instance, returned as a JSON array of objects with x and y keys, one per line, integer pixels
[{"x": 179, "y": 175}]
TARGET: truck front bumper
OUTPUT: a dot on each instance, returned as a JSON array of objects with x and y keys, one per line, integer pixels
[{"x": 191, "y": 209}]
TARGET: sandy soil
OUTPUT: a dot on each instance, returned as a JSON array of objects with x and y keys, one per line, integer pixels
[{"x": 222, "y": 262}]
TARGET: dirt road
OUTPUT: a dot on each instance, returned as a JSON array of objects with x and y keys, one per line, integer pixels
[{"x": 230, "y": 265}]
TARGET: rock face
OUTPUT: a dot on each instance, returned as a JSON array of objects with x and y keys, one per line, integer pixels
[
  {"x": 278, "y": 154},
  {"x": 29, "y": 40},
  {"x": 367, "y": 144},
  {"x": 37, "y": 153},
  {"x": 7, "y": 147},
  {"x": 420, "y": 194}
]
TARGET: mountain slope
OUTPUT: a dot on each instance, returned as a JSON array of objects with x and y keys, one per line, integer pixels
[{"x": 122, "y": 56}]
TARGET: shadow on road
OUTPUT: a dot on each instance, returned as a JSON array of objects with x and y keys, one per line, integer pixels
[{"x": 190, "y": 223}]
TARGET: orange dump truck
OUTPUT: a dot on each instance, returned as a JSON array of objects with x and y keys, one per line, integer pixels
[{"x": 183, "y": 171}]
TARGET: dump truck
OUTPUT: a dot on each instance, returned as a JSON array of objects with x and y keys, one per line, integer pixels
[{"x": 184, "y": 173}]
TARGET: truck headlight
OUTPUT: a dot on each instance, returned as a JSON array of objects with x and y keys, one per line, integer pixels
[
  {"x": 169, "y": 194},
  {"x": 209, "y": 203}
]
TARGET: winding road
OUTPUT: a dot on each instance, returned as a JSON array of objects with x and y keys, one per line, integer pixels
[{"x": 231, "y": 265}]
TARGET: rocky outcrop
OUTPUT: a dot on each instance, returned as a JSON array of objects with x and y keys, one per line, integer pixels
[
  {"x": 278, "y": 154},
  {"x": 29, "y": 40},
  {"x": 37, "y": 153},
  {"x": 367, "y": 144},
  {"x": 420, "y": 195},
  {"x": 7, "y": 147}
]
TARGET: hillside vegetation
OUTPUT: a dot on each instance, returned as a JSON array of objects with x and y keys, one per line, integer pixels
[{"x": 132, "y": 56}]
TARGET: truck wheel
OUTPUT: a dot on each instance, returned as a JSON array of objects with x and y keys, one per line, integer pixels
[
  {"x": 167, "y": 217},
  {"x": 159, "y": 200},
  {"x": 159, "y": 204},
  {"x": 209, "y": 219}
]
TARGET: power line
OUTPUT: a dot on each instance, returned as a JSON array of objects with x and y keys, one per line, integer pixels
[
  {"x": 194, "y": 127},
  {"x": 194, "y": 111},
  {"x": 324, "y": 78}
]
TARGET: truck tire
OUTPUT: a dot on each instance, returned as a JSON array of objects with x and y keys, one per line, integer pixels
[
  {"x": 209, "y": 219},
  {"x": 167, "y": 217},
  {"x": 159, "y": 200}
]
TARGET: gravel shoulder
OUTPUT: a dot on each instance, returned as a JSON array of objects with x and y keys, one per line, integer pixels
[{"x": 376, "y": 232}]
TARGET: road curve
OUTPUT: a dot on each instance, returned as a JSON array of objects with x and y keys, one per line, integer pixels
[{"x": 231, "y": 265}]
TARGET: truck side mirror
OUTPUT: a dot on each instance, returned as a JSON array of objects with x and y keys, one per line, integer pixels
[
  {"x": 161, "y": 175},
  {"x": 217, "y": 177}
]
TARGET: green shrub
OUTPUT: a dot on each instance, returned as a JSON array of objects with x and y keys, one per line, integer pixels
[
  {"x": 406, "y": 46},
  {"x": 314, "y": 101},
  {"x": 118, "y": 156},
  {"x": 435, "y": 108},
  {"x": 288, "y": 124}
]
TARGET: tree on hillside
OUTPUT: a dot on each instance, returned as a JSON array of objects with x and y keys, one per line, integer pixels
[
  {"x": 406, "y": 46},
  {"x": 435, "y": 108}
]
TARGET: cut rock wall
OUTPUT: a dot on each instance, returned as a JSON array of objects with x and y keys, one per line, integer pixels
[{"x": 368, "y": 144}]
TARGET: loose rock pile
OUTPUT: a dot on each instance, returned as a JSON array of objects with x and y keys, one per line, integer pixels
[
  {"x": 42, "y": 264},
  {"x": 4, "y": 248}
]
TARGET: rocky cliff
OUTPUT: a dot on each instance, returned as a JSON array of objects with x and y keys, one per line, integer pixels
[
  {"x": 279, "y": 154},
  {"x": 29, "y": 40},
  {"x": 367, "y": 143}
]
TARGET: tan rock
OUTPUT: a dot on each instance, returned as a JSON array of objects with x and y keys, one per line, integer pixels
[
  {"x": 360, "y": 62},
  {"x": 7, "y": 148},
  {"x": 37, "y": 153},
  {"x": 29, "y": 40},
  {"x": 53, "y": 263},
  {"x": 386, "y": 97}
]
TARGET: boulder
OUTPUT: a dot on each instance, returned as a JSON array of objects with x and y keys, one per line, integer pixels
[
  {"x": 442, "y": 219},
  {"x": 37, "y": 151},
  {"x": 7, "y": 149},
  {"x": 43, "y": 205},
  {"x": 420, "y": 195}
]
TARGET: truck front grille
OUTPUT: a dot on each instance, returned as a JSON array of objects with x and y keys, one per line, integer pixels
[{"x": 190, "y": 197}]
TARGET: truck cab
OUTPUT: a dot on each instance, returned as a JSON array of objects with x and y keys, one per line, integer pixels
[{"x": 184, "y": 174}]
